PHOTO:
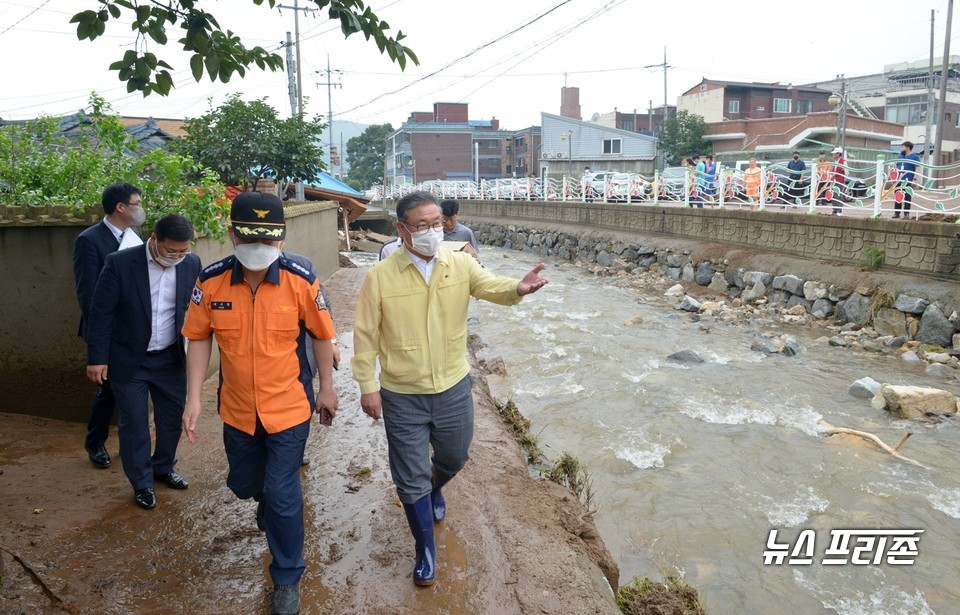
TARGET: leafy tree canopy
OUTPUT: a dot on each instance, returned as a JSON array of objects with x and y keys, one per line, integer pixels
[
  {"x": 219, "y": 52},
  {"x": 39, "y": 165},
  {"x": 366, "y": 154},
  {"x": 682, "y": 136},
  {"x": 247, "y": 140}
]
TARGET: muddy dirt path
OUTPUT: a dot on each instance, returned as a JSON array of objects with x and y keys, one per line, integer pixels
[{"x": 510, "y": 544}]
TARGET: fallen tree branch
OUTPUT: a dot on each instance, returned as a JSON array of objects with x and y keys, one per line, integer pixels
[
  {"x": 866, "y": 435},
  {"x": 55, "y": 599},
  {"x": 902, "y": 441}
]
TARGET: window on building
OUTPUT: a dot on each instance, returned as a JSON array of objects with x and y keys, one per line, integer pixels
[
  {"x": 627, "y": 125},
  {"x": 611, "y": 146},
  {"x": 908, "y": 110},
  {"x": 509, "y": 169},
  {"x": 782, "y": 105},
  {"x": 733, "y": 106},
  {"x": 804, "y": 107},
  {"x": 956, "y": 120}
]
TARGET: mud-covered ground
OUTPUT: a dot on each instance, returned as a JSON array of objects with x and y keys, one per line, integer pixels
[{"x": 72, "y": 540}]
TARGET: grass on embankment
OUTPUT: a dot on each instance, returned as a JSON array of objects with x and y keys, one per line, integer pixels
[{"x": 640, "y": 596}]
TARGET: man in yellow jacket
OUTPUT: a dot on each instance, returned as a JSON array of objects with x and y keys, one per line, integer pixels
[{"x": 412, "y": 316}]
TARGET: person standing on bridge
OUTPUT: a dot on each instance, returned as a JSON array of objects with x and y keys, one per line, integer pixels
[
  {"x": 907, "y": 167},
  {"x": 412, "y": 316}
]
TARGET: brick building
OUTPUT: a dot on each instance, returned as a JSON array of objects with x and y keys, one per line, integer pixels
[
  {"x": 775, "y": 139},
  {"x": 717, "y": 101},
  {"x": 446, "y": 144},
  {"x": 646, "y": 123}
]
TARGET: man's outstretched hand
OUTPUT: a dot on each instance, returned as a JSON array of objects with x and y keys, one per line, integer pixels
[{"x": 532, "y": 282}]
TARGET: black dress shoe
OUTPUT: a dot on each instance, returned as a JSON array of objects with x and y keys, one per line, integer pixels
[
  {"x": 99, "y": 456},
  {"x": 172, "y": 480},
  {"x": 145, "y": 498}
]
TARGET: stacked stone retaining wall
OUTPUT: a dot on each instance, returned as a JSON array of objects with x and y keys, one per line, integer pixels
[{"x": 901, "y": 314}]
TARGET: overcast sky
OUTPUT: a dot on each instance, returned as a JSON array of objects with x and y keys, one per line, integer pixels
[{"x": 602, "y": 45}]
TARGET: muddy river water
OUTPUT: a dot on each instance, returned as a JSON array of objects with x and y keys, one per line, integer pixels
[{"x": 693, "y": 465}]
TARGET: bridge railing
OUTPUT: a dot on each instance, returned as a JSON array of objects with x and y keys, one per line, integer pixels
[{"x": 880, "y": 187}]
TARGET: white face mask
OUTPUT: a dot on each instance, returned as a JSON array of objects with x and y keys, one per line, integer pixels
[
  {"x": 165, "y": 261},
  {"x": 428, "y": 243},
  {"x": 138, "y": 216},
  {"x": 256, "y": 256}
]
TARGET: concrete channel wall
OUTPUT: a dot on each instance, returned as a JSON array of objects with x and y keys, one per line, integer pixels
[
  {"x": 42, "y": 359},
  {"x": 927, "y": 249}
]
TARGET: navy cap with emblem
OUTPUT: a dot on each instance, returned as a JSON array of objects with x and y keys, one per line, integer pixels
[{"x": 258, "y": 215}]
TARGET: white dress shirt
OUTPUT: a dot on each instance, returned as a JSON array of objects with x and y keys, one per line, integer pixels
[
  {"x": 425, "y": 267},
  {"x": 116, "y": 232},
  {"x": 163, "y": 306}
]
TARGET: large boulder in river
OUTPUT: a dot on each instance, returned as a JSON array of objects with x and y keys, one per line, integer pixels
[
  {"x": 910, "y": 305},
  {"x": 685, "y": 356},
  {"x": 689, "y": 304},
  {"x": 751, "y": 278},
  {"x": 911, "y": 402},
  {"x": 734, "y": 276},
  {"x": 889, "y": 321},
  {"x": 856, "y": 309},
  {"x": 704, "y": 273},
  {"x": 790, "y": 283},
  {"x": 935, "y": 328},
  {"x": 865, "y": 388},
  {"x": 757, "y": 291}
]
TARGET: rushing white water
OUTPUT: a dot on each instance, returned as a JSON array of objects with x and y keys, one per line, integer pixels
[{"x": 694, "y": 464}]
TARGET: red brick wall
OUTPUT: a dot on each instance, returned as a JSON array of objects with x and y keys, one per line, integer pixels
[
  {"x": 438, "y": 154},
  {"x": 450, "y": 113}
]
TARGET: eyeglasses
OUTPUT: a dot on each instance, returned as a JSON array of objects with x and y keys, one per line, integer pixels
[
  {"x": 423, "y": 228},
  {"x": 137, "y": 204}
]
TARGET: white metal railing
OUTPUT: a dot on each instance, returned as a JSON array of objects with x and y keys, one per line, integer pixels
[{"x": 881, "y": 187}]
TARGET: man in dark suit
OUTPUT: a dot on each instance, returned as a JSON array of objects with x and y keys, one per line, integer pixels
[
  {"x": 121, "y": 204},
  {"x": 134, "y": 339}
]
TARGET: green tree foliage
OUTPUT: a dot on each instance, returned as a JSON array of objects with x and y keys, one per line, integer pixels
[
  {"x": 682, "y": 136},
  {"x": 218, "y": 52},
  {"x": 366, "y": 153},
  {"x": 247, "y": 140},
  {"x": 39, "y": 165}
]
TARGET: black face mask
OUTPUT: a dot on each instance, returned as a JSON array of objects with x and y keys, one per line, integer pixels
[
  {"x": 903, "y": 152},
  {"x": 796, "y": 157}
]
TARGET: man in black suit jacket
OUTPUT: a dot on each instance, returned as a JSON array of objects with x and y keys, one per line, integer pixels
[
  {"x": 134, "y": 339},
  {"x": 121, "y": 204}
]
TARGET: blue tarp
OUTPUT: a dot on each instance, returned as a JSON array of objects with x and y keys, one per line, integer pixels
[{"x": 328, "y": 182}]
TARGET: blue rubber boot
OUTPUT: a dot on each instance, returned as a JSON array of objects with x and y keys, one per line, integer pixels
[
  {"x": 420, "y": 518},
  {"x": 436, "y": 497}
]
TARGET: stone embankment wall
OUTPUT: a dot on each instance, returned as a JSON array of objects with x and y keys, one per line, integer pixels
[
  {"x": 929, "y": 249},
  {"x": 43, "y": 359},
  {"x": 901, "y": 314}
]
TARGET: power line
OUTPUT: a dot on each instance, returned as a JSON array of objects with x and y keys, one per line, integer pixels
[
  {"x": 466, "y": 55},
  {"x": 22, "y": 19}
]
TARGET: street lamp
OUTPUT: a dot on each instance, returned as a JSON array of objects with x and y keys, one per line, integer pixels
[{"x": 840, "y": 101}]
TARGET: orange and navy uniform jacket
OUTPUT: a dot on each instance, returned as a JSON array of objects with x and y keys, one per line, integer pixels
[{"x": 263, "y": 364}]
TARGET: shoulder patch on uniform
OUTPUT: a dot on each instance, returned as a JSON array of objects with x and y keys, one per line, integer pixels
[
  {"x": 217, "y": 268},
  {"x": 321, "y": 304},
  {"x": 197, "y": 295},
  {"x": 295, "y": 267}
]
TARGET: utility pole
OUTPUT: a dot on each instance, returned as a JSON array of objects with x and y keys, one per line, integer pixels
[
  {"x": 291, "y": 77},
  {"x": 296, "y": 30},
  {"x": 330, "y": 85},
  {"x": 664, "y": 66},
  {"x": 944, "y": 73},
  {"x": 927, "y": 138}
]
